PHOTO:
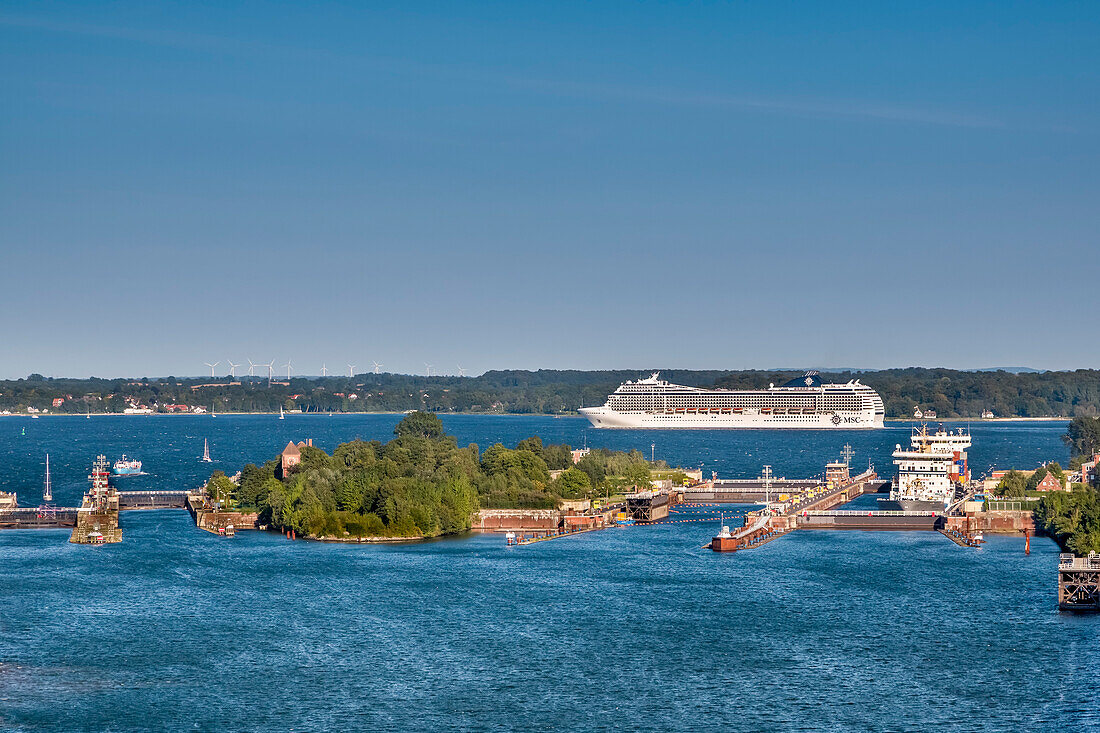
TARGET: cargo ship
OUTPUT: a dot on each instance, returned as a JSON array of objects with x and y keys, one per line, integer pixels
[
  {"x": 126, "y": 467},
  {"x": 804, "y": 403},
  {"x": 929, "y": 471}
]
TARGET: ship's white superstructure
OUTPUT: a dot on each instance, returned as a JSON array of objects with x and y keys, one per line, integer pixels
[
  {"x": 802, "y": 403},
  {"x": 928, "y": 471}
]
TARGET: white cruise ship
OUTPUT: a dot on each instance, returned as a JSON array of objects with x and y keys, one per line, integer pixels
[
  {"x": 928, "y": 471},
  {"x": 802, "y": 403}
]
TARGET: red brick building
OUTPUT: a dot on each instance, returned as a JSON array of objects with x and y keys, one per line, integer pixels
[{"x": 1050, "y": 482}]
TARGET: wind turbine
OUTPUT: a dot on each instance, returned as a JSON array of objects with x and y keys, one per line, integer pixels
[
  {"x": 270, "y": 370},
  {"x": 428, "y": 367},
  {"x": 287, "y": 365},
  {"x": 211, "y": 366},
  {"x": 377, "y": 366},
  {"x": 351, "y": 370},
  {"x": 461, "y": 372},
  {"x": 251, "y": 367},
  {"x": 324, "y": 371},
  {"x": 232, "y": 368}
]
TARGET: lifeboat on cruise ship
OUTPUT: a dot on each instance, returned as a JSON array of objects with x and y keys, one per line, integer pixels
[{"x": 765, "y": 410}]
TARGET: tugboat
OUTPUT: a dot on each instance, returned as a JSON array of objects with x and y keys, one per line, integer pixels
[{"x": 126, "y": 467}]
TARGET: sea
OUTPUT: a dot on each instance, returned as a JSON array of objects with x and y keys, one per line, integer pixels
[{"x": 632, "y": 628}]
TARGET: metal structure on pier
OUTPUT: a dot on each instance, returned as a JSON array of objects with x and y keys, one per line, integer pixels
[{"x": 1079, "y": 583}]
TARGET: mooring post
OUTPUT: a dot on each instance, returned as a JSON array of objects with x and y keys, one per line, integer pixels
[{"x": 1027, "y": 542}]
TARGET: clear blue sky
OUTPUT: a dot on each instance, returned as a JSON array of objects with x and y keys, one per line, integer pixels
[{"x": 560, "y": 185}]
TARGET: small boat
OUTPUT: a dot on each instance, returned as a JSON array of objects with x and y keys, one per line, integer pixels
[
  {"x": 206, "y": 452},
  {"x": 510, "y": 538},
  {"x": 95, "y": 537},
  {"x": 126, "y": 467},
  {"x": 624, "y": 519},
  {"x": 281, "y": 416}
]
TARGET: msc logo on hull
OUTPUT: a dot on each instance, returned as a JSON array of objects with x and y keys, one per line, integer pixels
[{"x": 837, "y": 420}]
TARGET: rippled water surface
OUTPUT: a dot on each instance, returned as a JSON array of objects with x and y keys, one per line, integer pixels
[{"x": 635, "y": 628}]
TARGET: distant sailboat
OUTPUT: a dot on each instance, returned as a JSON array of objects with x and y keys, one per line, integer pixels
[
  {"x": 281, "y": 416},
  {"x": 212, "y": 410},
  {"x": 47, "y": 493},
  {"x": 206, "y": 452}
]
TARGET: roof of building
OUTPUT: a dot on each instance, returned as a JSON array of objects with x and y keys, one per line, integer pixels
[
  {"x": 291, "y": 450},
  {"x": 809, "y": 379}
]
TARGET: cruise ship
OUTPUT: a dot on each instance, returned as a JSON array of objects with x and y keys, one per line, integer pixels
[
  {"x": 802, "y": 403},
  {"x": 928, "y": 471}
]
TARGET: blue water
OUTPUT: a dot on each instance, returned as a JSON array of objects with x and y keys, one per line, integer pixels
[{"x": 633, "y": 628}]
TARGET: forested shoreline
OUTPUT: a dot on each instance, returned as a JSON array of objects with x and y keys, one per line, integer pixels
[{"x": 951, "y": 393}]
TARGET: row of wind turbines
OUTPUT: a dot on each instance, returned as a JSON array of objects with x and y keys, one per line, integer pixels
[{"x": 270, "y": 367}]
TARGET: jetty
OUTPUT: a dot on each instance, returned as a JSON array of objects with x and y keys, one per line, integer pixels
[{"x": 96, "y": 520}]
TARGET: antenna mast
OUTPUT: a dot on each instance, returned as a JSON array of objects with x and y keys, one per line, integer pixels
[{"x": 47, "y": 493}]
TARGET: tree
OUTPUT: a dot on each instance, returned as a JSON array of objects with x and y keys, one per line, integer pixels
[
  {"x": 638, "y": 476},
  {"x": 221, "y": 489},
  {"x": 1034, "y": 479},
  {"x": 419, "y": 424},
  {"x": 573, "y": 483},
  {"x": 1013, "y": 485},
  {"x": 532, "y": 444},
  {"x": 1083, "y": 436}
]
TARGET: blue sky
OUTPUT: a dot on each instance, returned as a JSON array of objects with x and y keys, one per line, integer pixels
[{"x": 559, "y": 185}]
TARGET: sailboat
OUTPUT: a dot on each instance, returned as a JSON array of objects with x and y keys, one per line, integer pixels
[
  {"x": 47, "y": 492},
  {"x": 281, "y": 416},
  {"x": 206, "y": 452}
]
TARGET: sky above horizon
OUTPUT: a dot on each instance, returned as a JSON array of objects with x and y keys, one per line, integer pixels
[{"x": 564, "y": 185}]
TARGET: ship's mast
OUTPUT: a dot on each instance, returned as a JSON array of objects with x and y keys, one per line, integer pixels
[{"x": 47, "y": 492}]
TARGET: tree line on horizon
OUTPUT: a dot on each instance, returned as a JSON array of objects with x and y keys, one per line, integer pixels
[{"x": 951, "y": 393}]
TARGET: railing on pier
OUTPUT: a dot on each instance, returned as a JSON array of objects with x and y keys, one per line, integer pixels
[{"x": 866, "y": 513}]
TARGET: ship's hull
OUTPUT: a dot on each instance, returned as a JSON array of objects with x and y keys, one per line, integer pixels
[
  {"x": 601, "y": 417},
  {"x": 126, "y": 471},
  {"x": 911, "y": 505}
]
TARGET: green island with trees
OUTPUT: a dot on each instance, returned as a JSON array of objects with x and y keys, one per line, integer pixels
[
  {"x": 1073, "y": 518},
  {"x": 951, "y": 393},
  {"x": 422, "y": 484}
]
